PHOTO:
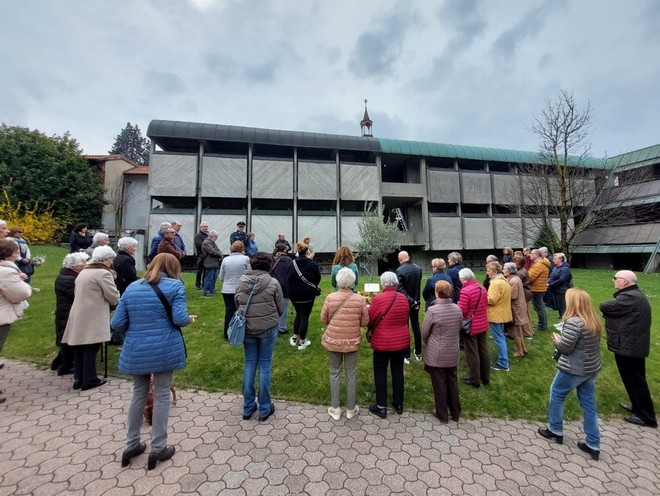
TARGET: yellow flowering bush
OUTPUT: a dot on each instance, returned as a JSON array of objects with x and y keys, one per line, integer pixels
[
  {"x": 39, "y": 224},
  {"x": 368, "y": 295}
]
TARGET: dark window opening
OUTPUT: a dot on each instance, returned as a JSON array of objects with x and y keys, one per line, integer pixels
[
  {"x": 272, "y": 151},
  {"x": 500, "y": 167},
  {"x": 354, "y": 206},
  {"x": 439, "y": 209},
  {"x": 316, "y": 154},
  {"x": 317, "y": 205},
  {"x": 505, "y": 210},
  {"x": 532, "y": 210},
  {"x": 226, "y": 148},
  {"x": 440, "y": 163},
  {"x": 176, "y": 202},
  {"x": 349, "y": 156},
  {"x": 224, "y": 203},
  {"x": 400, "y": 169},
  {"x": 471, "y": 165},
  {"x": 272, "y": 204},
  {"x": 474, "y": 209}
]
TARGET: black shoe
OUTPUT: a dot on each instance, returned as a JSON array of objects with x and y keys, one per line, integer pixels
[
  {"x": 64, "y": 370},
  {"x": 93, "y": 384},
  {"x": 548, "y": 434},
  {"x": 380, "y": 412},
  {"x": 398, "y": 408},
  {"x": 160, "y": 456},
  {"x": 595, "y": 454},
  {"x": 270, "y": 412},
  {"x": 248, "y": 417},
  {"x": 76, "y": 385},
  {"x": 132, "y": 453},
  {"x": 468, "y": 382},
  {"x": 626, "y": 407},
  {"x": 634, "y": 419},
  {"x": 442, "y": 421}
]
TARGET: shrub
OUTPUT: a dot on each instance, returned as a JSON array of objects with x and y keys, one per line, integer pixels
[{"x": 39, "y": 223}]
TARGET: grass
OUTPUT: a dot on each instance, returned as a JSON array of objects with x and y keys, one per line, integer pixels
[{"x": 213, "y": 365}]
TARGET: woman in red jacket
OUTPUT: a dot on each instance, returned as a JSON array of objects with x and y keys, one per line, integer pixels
[
  {"x": 474, "y": 304},
  {"x": 390, "y": 339}
]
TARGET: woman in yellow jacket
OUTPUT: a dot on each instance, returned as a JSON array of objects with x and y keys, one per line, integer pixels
[{"x": 499, "y": 312}]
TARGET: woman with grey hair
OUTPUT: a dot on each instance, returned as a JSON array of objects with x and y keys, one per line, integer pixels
[
  {"x": 474, "y": 305},
  {"x": 344, "y": 312},
  {"x": 99, "y": 239},
  {"x": 518, "y": 308},
  {"x": 88, "y": 325},
  {"x": 211, "y": 258},
  {"x": 65, "y": 284},
  {"x": 124, "y": 263},
  {"x": 390, "y": 340},
  {"x": 4, "y": 230}
]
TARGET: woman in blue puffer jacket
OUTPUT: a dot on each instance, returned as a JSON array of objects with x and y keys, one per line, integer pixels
[{"x": 153, "y": 345}]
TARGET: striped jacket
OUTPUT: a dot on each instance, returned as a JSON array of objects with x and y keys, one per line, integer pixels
[{"x": 579, "y": 348}]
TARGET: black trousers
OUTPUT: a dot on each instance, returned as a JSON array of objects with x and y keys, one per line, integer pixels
[
  {"x": 445, "y": 392},
  {"x": 199, "y": 276},
  {"x": 633, "y": 375},
  {"x": 84, "y": 363},
  {"x": 417, "y": 333},
  {"x": 301, "y": 322},
  {"x": 395, "y": 361},
  {"x": 230, "y": 309},
  {"x": 476, "y": 356}
]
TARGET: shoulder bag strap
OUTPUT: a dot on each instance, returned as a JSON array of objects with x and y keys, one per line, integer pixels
[
  {"x": 302, "y": 278},
  {"x": 478, "y": 301},
  {"x": 340, "y": 307},
  {"x": 168, "y": 309},
  {"x": 247, "y": 305},
  {"x": 275, "y": 264},
  {"x": 382, "y": 316}
]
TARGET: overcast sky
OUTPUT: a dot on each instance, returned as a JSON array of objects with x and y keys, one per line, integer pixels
[{"x": 469, "y": 72}]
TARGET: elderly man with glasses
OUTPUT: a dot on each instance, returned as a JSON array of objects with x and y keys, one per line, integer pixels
[{"x": 628, "y": 326}]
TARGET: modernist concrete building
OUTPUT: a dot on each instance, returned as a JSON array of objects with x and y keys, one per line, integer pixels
[{"x": 450, "y": 197}]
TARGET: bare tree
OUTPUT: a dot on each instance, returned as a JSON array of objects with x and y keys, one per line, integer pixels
[
  {"x": 118, "y": 197},
  {"x": 568, "y": 191}
]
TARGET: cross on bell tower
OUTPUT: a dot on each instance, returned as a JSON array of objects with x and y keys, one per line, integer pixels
[{"x": 366, "y": 123}]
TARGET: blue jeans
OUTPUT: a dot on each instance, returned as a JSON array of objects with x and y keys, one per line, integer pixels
[
  {"x": 210, "y": 277},
  {"x": 258, "y": 351},
  {"x": 281, "y": 325},
  {"x": 497, "y": 330},
  {"x": 539, "y": 308},
  {"x": 563, "y": 384}
]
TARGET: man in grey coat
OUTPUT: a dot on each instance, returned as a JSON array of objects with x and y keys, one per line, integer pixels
[{"x": 628, "y": 325}]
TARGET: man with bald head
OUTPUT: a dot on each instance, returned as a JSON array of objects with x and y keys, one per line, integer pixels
[
  {"x": 628, "y": 326},
  {"x": 410, "y": 283}
]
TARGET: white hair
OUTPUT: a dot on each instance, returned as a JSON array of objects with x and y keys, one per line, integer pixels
[
  {"x": 126, "y": 242},
  {"x": 492, "y": 258},
  {"x": 101, "y": 253},
  {"x": 3, "y": 223},
  {"x": 75, "y": 259},
  {"x": 389, "y": 279},
  {"x": 213, "y": 232},
  {"x": 99, "y": 236},
  {"x": 466, "y": 274},
  {"x": 511, "y": 267},
  {"x": 163, "y": 226},
  {"x": 345, "y": 278}
]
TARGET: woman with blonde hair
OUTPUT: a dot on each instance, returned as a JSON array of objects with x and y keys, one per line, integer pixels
[
  {"x": 151, "y": 313},
  {"x": 578, "y": 365},
  {"x": 343, "y": 258}
]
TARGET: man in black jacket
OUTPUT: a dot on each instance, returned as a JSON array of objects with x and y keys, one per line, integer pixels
[
  {"x": 410, "y": 282},
  {"x": 199, "y": 239},
  {"x": 628, "y": 326}
]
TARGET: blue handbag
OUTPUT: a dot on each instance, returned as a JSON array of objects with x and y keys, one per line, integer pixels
[{"x": 236, "y": 330}]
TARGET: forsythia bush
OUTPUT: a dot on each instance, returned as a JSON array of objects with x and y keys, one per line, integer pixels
[{"x": 39, "y": 224}]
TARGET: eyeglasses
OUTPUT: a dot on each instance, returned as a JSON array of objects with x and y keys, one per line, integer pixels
[{"x": 615, "y": 278}]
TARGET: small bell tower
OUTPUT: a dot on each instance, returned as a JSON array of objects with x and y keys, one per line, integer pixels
[{"x": 366, "y": 123}]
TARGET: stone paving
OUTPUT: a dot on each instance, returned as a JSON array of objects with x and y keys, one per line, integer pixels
[{"x": 54, "y": 441}]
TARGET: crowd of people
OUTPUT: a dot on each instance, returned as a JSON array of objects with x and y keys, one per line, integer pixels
[{"x": 150, "y": 312}]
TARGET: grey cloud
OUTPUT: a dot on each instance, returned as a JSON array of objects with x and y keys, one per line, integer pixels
[
  {"x": 525, "y": 29},
  {"x": 377, "y": 51},
  {"x": 228, "y": 68},
  {"x": 165, "y": 83}
]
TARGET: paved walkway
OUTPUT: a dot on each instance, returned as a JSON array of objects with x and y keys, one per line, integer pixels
[{"x": 55, "y": 441}]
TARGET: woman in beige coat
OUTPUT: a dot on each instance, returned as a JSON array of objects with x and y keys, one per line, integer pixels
[
  {"x": 13, "y": 291},
  {"x": 344, "y": 312},
  {"x": 518, "y": 308},
  {"x": 88, "y": 325}
]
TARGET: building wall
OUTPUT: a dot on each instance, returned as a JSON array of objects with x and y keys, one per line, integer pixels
[
  {"x": 114, "y": 191},
  {"x": 136, "y": 212}
]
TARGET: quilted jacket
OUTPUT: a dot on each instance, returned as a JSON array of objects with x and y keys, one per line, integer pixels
[
  {"x": 538, "y": 275},
  {"x": 152, "y": 344},
  {"x": 628, "y": 322},
  {"x": 267, "y": 303},
  {"x": 441, "y": 332},
  {"x": 392, "y": 333},
  {"x": 499, "y": 300},
  {"x": 467, "y": 303},
  {"x": 344, "y": 322},
  {"x": 13, "y": 291}
]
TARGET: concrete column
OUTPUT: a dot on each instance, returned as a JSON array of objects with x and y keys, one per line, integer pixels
[
  {"x": 295, "y": 195},
  {"x": 250, "y": 157},
  {"x": 425, "y": 204},
  {"x": 198, "y": 187},
  {"x": 338, "y": 212}
]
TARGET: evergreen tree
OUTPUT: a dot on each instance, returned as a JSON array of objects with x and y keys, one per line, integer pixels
[
  {"x": 38, "y": 170},
  {"x": 131, "y": 144}
]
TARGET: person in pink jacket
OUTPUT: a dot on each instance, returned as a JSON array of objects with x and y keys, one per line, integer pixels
[
  {"x": 473, "y": 302},
  {"x": 440, "y": 333},
  {"x": 388, "y": 317},
  {"x": 343, "y": 312}
]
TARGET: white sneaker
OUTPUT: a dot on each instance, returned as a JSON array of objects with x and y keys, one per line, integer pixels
[
  {"x": 352, "y": 413},
  {"x": 418, "y": 357},
  {"x": 293, "y": 341},
  {"x": 406, "y": 361},
  {"x": 335, "y": 413},
  {"x": 304, "y": 345}
]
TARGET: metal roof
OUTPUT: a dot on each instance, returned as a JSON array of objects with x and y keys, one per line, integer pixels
[
  {"x": 613, "y": 249},
  {"x": 217, "y": 132},
  {"x": 637, "y": 158}
]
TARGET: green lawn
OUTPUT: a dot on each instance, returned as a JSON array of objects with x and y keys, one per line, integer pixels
[{"x": 213, "y": 365}]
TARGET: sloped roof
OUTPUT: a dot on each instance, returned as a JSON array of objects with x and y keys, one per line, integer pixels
[
  {"x": 106, "y": 158},
  {"x": 138, "y": 170},
  {"x": 637, "y": 158}
]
